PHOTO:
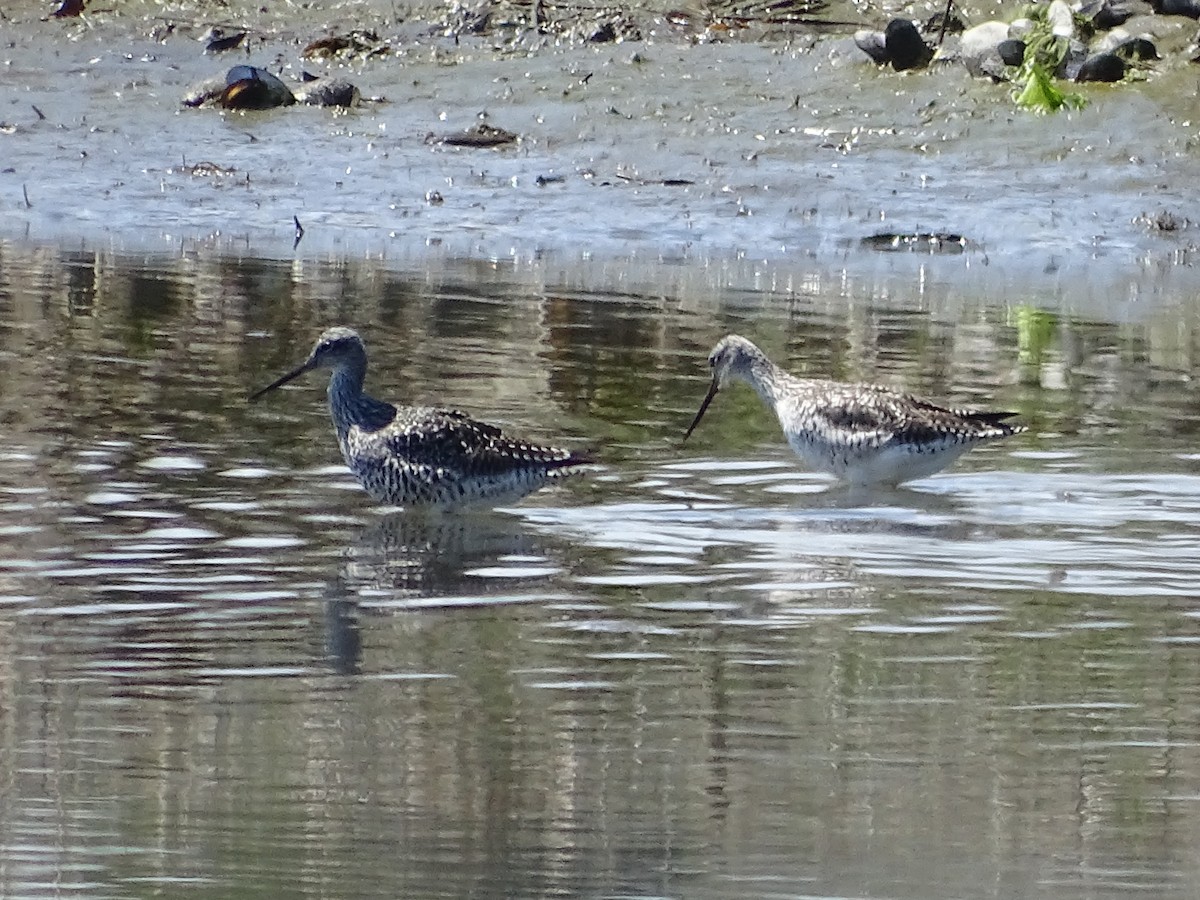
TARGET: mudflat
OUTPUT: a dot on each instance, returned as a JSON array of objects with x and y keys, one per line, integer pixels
[{"x": 660, "y": 134}]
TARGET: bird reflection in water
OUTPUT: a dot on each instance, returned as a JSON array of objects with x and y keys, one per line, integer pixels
[{"x": 420, "y": 564}]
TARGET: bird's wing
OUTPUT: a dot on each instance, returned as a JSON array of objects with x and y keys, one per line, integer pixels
[
  {"x": 872, "y": 415},
  {"x": 449, "y": 440}
]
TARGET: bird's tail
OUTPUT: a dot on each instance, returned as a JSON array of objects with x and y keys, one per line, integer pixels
[
  {"x": 998, "y": 421},
  {"x": 573, "y": 459}
]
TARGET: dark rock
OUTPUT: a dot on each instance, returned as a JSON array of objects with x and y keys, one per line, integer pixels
[
  {"x": 1102, "y": 67},
  {"x": 330, "y": 92},
  {"x": 906, "y": 49},
  {"x": 1137, "y": 49},
  {"x": 219, "y": 41},
  {"x": 67, "y": 9},
  {"x": 1189, "y": 8},
  {"x": 248, "y": 87},
  {"x": 605, "y": 33},
  {"x": 1012, "y": 51},
  {"x": 481, "y": 135},
  {"x": 901, "y": 45},
  {"x": 1105, "y": 14}
]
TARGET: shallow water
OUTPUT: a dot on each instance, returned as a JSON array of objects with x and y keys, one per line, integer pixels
[{"x": 696, "y": 672}]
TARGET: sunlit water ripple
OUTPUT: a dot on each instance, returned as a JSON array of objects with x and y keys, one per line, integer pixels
[{"x": 696, "y": 671}]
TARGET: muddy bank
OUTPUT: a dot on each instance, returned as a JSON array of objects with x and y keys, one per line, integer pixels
[{"x": 780, "y": 144}]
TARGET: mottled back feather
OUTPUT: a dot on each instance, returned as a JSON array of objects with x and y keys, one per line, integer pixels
[
  {"x": 873, "y": 415},
  {"x": 443, "y": 457},
  {"x": 452, "y": 440}
]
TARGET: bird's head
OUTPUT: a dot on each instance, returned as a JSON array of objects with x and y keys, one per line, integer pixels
[
  {"x": 336, "y": 347},
  {"x": 732, "y": 359}
]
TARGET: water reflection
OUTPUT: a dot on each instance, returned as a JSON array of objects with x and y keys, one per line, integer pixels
[
  {"x": 697, "y": 673},
  {"x": 419, "y": 564}
]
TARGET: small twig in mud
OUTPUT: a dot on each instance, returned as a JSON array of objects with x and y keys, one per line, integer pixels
[
  {"x": 945, "y": 20},
  {"x": 41, "y": 115},
  {"x": 299, "y": 232},
  {"x": 25, "y": 191}
]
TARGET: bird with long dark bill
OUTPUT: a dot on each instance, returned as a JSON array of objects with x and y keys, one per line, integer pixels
[
  {"x": 865, "y": 434},
  {"x": 421, "y": 455}
]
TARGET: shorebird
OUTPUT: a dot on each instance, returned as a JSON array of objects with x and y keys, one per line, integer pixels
[
  {"x": 421, "y": 455},
  {"x": 865, "y": 434}
]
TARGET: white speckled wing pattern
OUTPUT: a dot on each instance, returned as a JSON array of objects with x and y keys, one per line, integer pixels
[{"x": 439, "y": 457}]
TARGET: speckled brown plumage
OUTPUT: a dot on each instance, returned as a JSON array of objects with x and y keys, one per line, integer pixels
[
  {"x": 420, "y": 455},
  {"x": 861, "y": 433}
]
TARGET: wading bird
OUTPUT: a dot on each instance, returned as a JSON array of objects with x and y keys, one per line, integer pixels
[
  {"x": 420, "y": 455},
  {"x": 864, "y": 434}
]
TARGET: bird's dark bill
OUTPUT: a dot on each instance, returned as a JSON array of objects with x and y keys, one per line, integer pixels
[
  {"x": 280, "y": 382},
  {"x": 712, "y": 392}
]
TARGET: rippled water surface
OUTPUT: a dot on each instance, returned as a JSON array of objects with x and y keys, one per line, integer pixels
[{"x": 698, "y": 671}]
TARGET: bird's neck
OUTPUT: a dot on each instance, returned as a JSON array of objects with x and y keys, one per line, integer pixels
[
  {"x": 349, "y": 406},
  {"x": 765, "y": 377}
]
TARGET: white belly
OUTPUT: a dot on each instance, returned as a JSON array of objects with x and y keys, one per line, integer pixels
[{"x": 892, "y": 463}]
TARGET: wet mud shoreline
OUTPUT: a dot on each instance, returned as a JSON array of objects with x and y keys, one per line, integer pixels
[{"x": 779, "y": 144}]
